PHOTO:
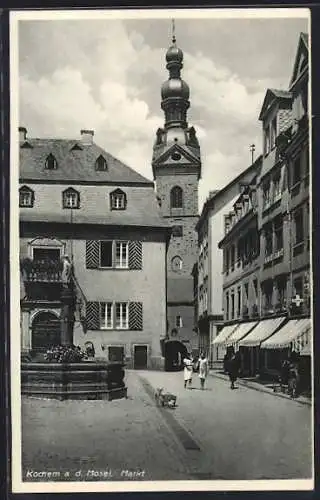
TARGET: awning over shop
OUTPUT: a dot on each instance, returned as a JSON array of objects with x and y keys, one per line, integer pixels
[
  {"x": 224, "y": 334},
  {"x": 240, "y": 332},
  {"x": 262, "y": 331},
  {"x": 294, "y": 334}
]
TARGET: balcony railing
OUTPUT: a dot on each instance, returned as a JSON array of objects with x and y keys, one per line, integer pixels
[
  {"x": 254, "y": 311},
  {"x": 268, "y": 311},
  {"x": 298, "y": 248},
  {"x": 245, "y": 312},
  {"x": 41, "y": 271},
  {"x": 268, "y": 258},
  {"x": 278, "y": 253}
]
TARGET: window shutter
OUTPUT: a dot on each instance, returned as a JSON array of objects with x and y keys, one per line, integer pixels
[
  {"x": 92, "y": 254},
  {"x": 135, "y": 255},
  {"x": 93, "y": 315},
  {"x": 135, "y": 316}
]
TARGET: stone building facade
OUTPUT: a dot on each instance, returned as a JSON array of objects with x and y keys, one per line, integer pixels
[
  {"x": 76, "y": 200},
  {"x": 176, "y": 165},
  {"x": 277, "y": 309},
  {"x": 211, "y": 229}
]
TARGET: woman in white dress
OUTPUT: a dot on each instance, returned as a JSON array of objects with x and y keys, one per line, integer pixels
[
  {"x": 203, "y": 369},
  {"x": 187, "y": 371}
]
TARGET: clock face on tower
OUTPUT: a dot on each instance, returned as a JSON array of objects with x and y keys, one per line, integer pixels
[{"x": 176, "y": 263}]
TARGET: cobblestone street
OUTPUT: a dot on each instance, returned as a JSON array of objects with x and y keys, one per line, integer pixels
[{"x": 212, "y": 434}]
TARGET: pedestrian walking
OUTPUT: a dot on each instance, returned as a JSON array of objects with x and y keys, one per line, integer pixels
[
  {"x": 233, "y": 365},
  {"x": 203, "y": 369},
  {"x": 187, "y": 371}
]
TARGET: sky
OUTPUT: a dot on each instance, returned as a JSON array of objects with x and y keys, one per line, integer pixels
[{"x": 106, "y": 75}]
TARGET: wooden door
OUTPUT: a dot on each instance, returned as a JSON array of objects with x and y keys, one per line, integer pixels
[{"x": 140, "y": 356}]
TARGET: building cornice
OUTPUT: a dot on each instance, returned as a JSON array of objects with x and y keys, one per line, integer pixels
[{"x": 24, "y": 180}]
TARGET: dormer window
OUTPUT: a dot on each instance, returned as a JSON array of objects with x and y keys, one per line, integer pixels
[
  {"x": 266, "y": 146},
  {"x": 51, "y": 163},
  {"x": 76, "y": 147},
  {"x": 118, "y": 200},
  {"x": 26, "y": 197},
  {"x": 70, "y": 198},
  {"x": 101, "y": 163},
  {"x": 26, "y": 145},
  {"x": 273, "y": 133}
]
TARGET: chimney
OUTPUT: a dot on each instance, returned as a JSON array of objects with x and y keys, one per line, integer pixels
[
  {"x": 87, "y": 137},
  {"x": 22, "y": 134}
]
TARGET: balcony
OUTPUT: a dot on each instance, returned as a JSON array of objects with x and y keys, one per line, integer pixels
[
  {"x": 44, "y": 271},
  {"x": 245, "y": 312},
  {"x": 268, "y": 311},
  {"x": 298, "y": 248},
  {"x": 254, "y": 311},
  {"x": 268, "y": 258},
  {"x": 278, "y": 254},
  {"x": 295, "y": 189}
]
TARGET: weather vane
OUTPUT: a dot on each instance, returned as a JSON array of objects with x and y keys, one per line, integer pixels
[{"x": 173, "y": 31}]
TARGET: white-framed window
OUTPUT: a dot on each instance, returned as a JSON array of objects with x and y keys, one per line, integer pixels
[
  {"x": 277, "y": 187},
  {"x": 121, "y": 254},
  {"x": 51, "y": 162},
  {"x": 106, "y": 315},
  {"x": 70, "y": 198},
  {"x": 122, "y": 315},
  {"x": 179, "y": 323},
  {"x": 114, "y": 254},
  {"x": 26, "y": 197},
  {"x": 266, "y": 140},
  {"x": 266, "y": 193},
  {"x": 273, "y": 133},
  {"x": 118, "y": 200}
]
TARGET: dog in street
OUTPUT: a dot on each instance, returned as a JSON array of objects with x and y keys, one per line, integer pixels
[{"x": 165, "y": 398}]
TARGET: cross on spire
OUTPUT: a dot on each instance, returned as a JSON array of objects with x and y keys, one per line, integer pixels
[{"x": 173, "y": 31}]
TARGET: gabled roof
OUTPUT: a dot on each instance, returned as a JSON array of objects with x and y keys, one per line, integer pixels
[
  {"x": 74, "y": 165},
  {"x": 272, "y": 95},
  {"x": 302, "y": 51}
]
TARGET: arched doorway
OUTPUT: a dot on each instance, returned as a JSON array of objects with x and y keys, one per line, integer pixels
[
  {"x": 174, "y": 353},
  {"x": 46, "y": 331}
]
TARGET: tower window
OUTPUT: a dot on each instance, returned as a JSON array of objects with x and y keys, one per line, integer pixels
[
  {"x": 70, "y": 198},
  {"x": 101, "y": 163},
  {"x": 51, "y": 163},
  {"x": 26, "y": 197},
  {"x": 177, "y": 231},
  {"x": 176, "y": 263},
  {"x": 118, "y": 200},
  {"x": 176, "y": 197},
  {"x": 179, "y": 323}
]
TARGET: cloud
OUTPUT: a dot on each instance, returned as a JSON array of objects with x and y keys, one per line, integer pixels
[{"x": 55, "y": 105}]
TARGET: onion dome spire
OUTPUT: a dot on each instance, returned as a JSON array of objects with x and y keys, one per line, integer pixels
[{"x": 175, "y": 92}]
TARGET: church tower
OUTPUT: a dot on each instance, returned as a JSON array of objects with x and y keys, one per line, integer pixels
[{"x": 176, "y": 169}]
